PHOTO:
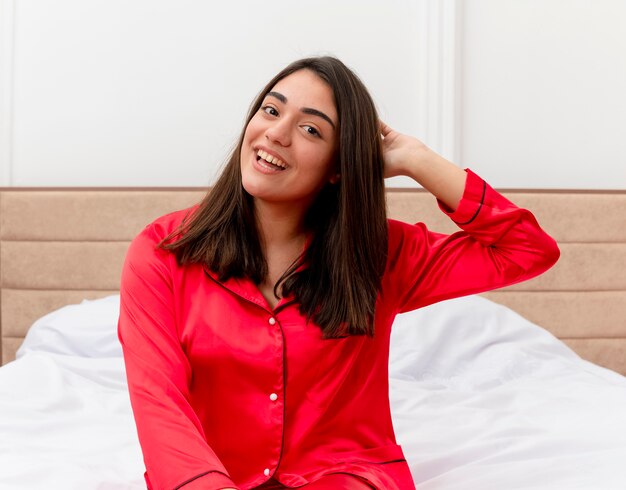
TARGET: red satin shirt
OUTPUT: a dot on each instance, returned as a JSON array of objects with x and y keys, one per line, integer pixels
[{"x": 227, "y": 392}]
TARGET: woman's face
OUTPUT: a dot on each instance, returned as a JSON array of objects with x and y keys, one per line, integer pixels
[{"x": 289, "y": 146}]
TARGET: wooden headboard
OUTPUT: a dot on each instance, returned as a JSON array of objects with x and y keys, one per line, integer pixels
[{"x": 61, "y": 246}]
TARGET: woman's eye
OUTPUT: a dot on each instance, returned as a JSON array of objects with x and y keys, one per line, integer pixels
[
  {"x": 270, "y": 110},
  {"x": 311, "y": 130}
]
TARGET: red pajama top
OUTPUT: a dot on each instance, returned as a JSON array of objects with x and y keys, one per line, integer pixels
[{"x": 227, "y": 392}]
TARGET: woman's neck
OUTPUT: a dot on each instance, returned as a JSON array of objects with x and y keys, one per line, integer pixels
[
  {"x": 279, "y": 224},
  {"x": 283, "y": 238}
]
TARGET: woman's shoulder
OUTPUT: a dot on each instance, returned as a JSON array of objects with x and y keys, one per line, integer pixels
[
  {"x": 406, "y": 239},
  {"x": 396, "y": 230},
  {"x": 145, "y": 250},
  {"x": 165, "y": 225}
]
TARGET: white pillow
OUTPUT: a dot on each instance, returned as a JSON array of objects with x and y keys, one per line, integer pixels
[
  {"x": 88, "y": 329},
  {"x": 470, "y": 343}
]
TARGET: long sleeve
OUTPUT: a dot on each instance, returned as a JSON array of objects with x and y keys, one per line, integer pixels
[
  {"x": 174, "y": 447},
  {"x": 500, "y": 244}
]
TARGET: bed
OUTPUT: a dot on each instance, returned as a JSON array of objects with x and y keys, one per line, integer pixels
[{"x": 519, "y": 388}]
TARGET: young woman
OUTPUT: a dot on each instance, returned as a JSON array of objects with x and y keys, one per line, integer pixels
[{"x": 256, "y": 326}]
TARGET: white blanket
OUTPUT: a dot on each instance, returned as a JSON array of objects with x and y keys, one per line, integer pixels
[{"x": 481, "y": 399}]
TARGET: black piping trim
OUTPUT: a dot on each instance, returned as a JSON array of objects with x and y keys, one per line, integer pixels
[
  {"x": 284, "y": 305},
  {"x": 393, "y": 461},
  {"x": 196, "y": 477},
  {"x": 365, "y": 461},
  {"x": 362, "y": 478},
  {"x": 273, "y": 313},
  {"x": 482, "y": 200},
  {"x": 282, "y": 439}
]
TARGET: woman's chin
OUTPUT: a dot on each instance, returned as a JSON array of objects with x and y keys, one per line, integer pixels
[{"x": 258, "y": 190}]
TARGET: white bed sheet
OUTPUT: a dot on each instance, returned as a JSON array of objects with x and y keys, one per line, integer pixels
[{"x": 481, "y": 399}]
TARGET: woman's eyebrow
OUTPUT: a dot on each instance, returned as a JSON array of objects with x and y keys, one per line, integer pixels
[
  {"x": 306, "y": 110},
  {"x": 278, "y": 96}
]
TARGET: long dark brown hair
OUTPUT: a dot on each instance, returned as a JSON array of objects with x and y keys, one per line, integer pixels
[{"x": 342, "y": 268}]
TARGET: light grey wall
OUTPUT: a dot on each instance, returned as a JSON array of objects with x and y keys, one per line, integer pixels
[
  {"x": 544, "y": 92},
  {"x": 528, "y": 93}
]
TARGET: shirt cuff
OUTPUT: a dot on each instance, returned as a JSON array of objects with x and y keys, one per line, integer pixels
[{"x": 471, "y": 202}]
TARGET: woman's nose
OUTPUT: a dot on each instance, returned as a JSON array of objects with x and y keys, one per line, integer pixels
[{"x": 279, "y": 132}]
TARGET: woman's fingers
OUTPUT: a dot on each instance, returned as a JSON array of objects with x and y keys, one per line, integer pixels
[{"x": 384, "y": 129}]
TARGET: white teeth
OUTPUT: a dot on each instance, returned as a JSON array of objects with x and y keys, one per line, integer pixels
[{"x": 271, "y": 159}]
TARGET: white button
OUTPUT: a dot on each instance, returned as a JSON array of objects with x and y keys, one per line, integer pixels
[
  {"x": 272, "y": 321},
  {"x": 266, "y": 472},
  {"x": 273, "y": 397}
]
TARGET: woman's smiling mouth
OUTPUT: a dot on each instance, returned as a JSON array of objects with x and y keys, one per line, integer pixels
[{"x": 269, "y": 163}]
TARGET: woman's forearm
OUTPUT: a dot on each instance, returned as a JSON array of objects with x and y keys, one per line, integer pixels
[
  {"x": 437, "y": 175},
  {"x": 406, "y": 155}
]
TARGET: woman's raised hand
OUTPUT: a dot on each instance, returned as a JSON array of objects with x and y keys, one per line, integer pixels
[
  {"x": 400, "y": 151},
  {"x": 405, "y": 155}
]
